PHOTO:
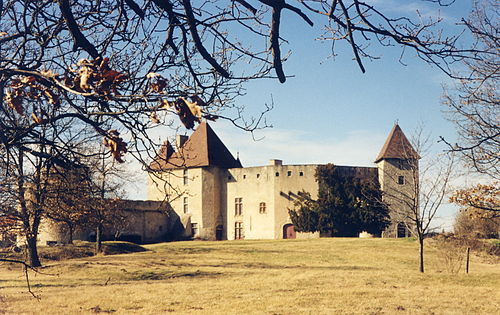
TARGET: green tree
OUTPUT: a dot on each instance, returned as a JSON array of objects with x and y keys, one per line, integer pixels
[{"x": 346, "y": 205}]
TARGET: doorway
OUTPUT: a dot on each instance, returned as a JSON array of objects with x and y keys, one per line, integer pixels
[{"x": 289, "y": 231}]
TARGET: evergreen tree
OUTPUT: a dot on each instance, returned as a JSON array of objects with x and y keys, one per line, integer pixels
[{"x": 346, "y": 205}]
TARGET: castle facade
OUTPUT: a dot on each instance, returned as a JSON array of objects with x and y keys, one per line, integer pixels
[
  {"x": 218, "y": 199},
  {"x": 200, "y": 190}
]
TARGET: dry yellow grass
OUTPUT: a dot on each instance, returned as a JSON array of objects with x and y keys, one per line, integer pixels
[{"x": 322, "y": 276}]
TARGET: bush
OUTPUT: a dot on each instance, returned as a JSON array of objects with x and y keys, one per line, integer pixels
[
  {"x": 470, "y": 225},
  {"x": 452, "y": 249}
]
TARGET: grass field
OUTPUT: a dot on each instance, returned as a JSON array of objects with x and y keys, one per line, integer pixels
[{"x": 320, "y": 276}]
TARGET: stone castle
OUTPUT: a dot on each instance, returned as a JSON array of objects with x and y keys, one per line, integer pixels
[{"x": 211, "y": 196}]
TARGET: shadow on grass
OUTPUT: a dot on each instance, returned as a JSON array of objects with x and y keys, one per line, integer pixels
[
  {"x": 280, "y": 267},
  {"x": 188, "y": 250},
  {"x": 160, "y": 275}
]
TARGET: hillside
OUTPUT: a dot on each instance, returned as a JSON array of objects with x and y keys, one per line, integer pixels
[{"x": 321, "y": 276}]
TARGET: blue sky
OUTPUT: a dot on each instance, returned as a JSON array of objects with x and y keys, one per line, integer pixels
[{"x": 331, "y": 112}]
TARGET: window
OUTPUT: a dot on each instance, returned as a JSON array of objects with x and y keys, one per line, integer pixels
[
  {"x": 238, "y": 230},
  {"x": 262, "y": 207},
  {"x": 244, "y": 176},
  {"x": 194, "y": 228},
  {"x": 186, "y": 209},
  {"x": 258, "y": 175},
  {"x": 185, "y": 176},
  {"x": 301, "y": 173},
  {"x": 238, "y": 206},
  {"x": 289, "y": 173},
  {"x": 277, "y": 174},
  {"x": 401, "y": 180}
]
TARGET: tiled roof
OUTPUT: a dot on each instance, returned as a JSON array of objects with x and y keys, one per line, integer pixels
[
  {"x": 397, "y": 146},
  {"x": 203, "y": 148}
]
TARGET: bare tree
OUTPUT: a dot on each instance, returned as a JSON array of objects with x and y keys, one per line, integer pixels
[
  {"x": 88, "y": 197},
  {"x": 104, "y": 188},
  {"x": 28, "y": 182},
  {"x": 474, "y": 103},
  {"x": 132, "y": 62},
  {"x": 417, "y": 195}
]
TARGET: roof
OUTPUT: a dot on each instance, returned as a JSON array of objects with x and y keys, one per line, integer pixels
[
  {"x": 203, "y": 148},
  {"x": 397, "y": 146}
]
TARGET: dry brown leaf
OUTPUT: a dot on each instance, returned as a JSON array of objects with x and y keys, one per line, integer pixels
[
  {"x": 52, "y": 98},
  {"x": 14, "y": 100},
  {"x": 48, "y": 73},
  {"x": 152, "y": 75},
  {"x": 116, "y": 145},
  {"x": 28, "y": 80},
  {"x": 196, "y": 99},
  {"x": 36, "y": 119},
  {"x": 185, "y": 114},
  {"x": 193, "y": 107},
  {"x": 158, "y": 86},
  {"x": 165, "y": 104},
  {"x": 85, "y": 76},
  {"x": 154, "y": 118}
]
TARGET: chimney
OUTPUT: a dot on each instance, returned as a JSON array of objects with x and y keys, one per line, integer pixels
[
  {"x": 275, "y": 162},
  {"x": 180, "y": 140}
]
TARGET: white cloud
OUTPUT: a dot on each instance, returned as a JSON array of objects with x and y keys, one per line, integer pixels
[{"x": 294, "y": 146}]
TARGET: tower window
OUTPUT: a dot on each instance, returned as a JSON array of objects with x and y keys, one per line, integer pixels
[
  {"x": 238, "y": 206},
  {"x": 186, "y": 208},
  {"x": 401, "y": 180},
  {"x": 185, "y": 176},
  {"x": 301, "y": 173},
  {"x": 289, "y": 173},
  {"x": 277, "y": 174}
]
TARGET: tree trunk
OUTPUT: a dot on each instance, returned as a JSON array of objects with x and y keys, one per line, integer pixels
[
  {"x": 421, "y": 252},
  {"x": 70, "y": 234},
  {"x": 98, "y": 239},
  {"x": 32, "y": 251}
]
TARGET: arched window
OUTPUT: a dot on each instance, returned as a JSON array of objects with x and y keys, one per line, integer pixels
[{"x": 401, "y": 231}]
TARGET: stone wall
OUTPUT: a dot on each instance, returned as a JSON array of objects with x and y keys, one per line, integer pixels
[
  {"x": 144, "y": 221},
  {"x": 398, "y": 181}
]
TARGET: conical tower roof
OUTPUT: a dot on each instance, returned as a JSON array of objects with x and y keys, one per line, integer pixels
[
  {"x": 203, "y": 148},
  {"x": 397, "y": 146}
]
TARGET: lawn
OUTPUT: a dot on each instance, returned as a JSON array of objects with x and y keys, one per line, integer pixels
[{"x": 319, "y": 276}]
